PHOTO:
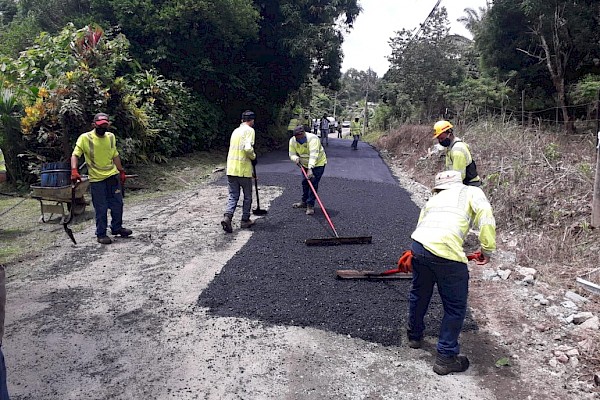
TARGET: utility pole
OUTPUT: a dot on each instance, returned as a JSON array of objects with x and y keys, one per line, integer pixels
[
  {"x": 364, "y": 128},
  {"x": 596, "y": 198},
  {"x": 334, "y": 104}
]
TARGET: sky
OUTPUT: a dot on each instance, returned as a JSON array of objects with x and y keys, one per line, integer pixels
[{"x": 367, "y": 43}]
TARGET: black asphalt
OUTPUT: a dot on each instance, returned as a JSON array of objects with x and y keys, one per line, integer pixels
[{"x": 275, "y": 278}]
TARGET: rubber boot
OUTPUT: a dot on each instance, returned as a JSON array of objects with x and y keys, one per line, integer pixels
[
  {"x": 310, "y": 210},
  {"x": 226, "y": 223},
  {"x": 124, "y": 232},
  {"x": 445, "y": 365},
  {"x": 300, "y": 204},
  {"x": 104, "y": 240}
]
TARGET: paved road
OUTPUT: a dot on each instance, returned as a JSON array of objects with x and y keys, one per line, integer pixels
[{"x": 276, "y": 279}]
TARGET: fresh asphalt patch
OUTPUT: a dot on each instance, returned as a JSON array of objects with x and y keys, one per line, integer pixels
[{"x": 275, "y": 278}]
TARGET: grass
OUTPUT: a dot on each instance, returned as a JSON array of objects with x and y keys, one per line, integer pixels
[
  {"x": 540, "y": 184},
  {"x": 23, "y": 234}
]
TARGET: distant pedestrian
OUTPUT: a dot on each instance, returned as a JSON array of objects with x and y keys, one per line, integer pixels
[
  {"x": 438, "y": 258},
  {"x": 240, "y": 161},
  {"x": 3, "y": 385},
  {"x": 315, "y": 127},
  {"x": 355, "y": 129},
  {"x": 306, "y": 123},
  {"x": 324, "y": 126},
  {"x": 306, "y": 150},
  {"x": 458, "y": 153},
  {"x": 338, "y": 127},
  {"x": 106, "y": 174}
]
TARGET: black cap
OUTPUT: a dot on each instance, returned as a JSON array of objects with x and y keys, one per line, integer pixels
[{"x": 248, "y": 115}]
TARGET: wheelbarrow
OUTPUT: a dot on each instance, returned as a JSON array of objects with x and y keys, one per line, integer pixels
[{"x": 65, "y": 201}]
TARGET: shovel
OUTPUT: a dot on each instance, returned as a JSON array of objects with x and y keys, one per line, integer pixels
[
  {"x": 337, "y": 239},
  {"x": 258, "y": 210}
]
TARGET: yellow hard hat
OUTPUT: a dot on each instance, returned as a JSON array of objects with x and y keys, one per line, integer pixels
[{"x": 441, "y": 127}]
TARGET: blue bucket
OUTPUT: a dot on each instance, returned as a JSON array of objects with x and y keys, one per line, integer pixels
[{"x": 56, "y": 174}]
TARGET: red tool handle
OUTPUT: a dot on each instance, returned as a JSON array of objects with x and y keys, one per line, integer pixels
[{"x": 319, "y": 200}]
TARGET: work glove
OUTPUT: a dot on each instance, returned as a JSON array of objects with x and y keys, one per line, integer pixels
[
  {"x": 309, "y": 173},
  {"x": 298, "y": 162},
  {"x": 478, "y": 257},
  {"x": 254, "y": 161},
  {"x": 122, "y": 176},
  {"x": 75, "y": 177},
  {"x": 405, "y": 262}
]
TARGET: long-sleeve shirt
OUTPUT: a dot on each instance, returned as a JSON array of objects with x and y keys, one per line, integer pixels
[
  {"x": 445, "y": 220},
  {"x": 241, "y": 152},
  {"x": 310, "y": 153}
]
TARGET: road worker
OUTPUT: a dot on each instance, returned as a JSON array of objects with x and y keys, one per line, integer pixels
[
  {"x": 438, "y": 258},
  {"x": 241, "y": 159},
  {"x": 324, "y": 127},
  {"x": 458, "y": 154},
  {"x": 294, "y": 122},
  {"x": 106, "y": 175},
  {"x": 355, "y": 129},
  {"x": 2, "y": 167},
  {"x": 306, "y": 150}
]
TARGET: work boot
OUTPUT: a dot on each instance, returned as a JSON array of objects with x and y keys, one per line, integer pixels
[
  {"x": 415, "y": 343},
  {"x": 226, "y": 223},
  {"x": 247, "y": 224},
  {"x": 310, "y": 210},
  {"x": 445, "y": 365},
  {"x": 104, "y": 240},
  {"x": 124, "y": 232},
  {"x": 300, "y": 204}
]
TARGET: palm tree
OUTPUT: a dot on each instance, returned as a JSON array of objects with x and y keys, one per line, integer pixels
[
  {"x": 10, "y": 131},
  {"x": 473, "y": 20}
]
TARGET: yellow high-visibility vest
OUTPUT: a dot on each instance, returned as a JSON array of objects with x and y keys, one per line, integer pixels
[
  {"x": 355, "y": 128},
  {"x": 445, "y": 221},
  {"x": 241, "y": 152},
  {"x": 99, "y": 152},
  {"x": 294, "y": 122},
  {"x": 2, "y": 162},
  {"x": 311, "y": 153}
]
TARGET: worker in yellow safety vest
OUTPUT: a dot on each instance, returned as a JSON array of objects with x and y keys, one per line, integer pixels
[
  {"x": 305, "y": 150},
  {"x": 355, "y": 129},
  {"x": 438, "y": 258},
  {"x": 2, "y": 167},
  {"x": 241, "y": 160},
  {"x": 294, "y": 122},
  {"x": 458, "y": 153},
  {"x": 106, "y": 175}
]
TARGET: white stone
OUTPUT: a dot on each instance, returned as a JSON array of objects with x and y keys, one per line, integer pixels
[
  {"x": 573, "y": 362},
  {"x": 575, "y": 297},
  {"x": 488, "y": 274},
  {"x": 569, "y": 304},
  {"x": 528, "y": 280},
  {"x": 553, "y": 362},
  {"x": 592, "y": 323},
  {"x": 526, "y": 271},
  {"x": 581, "y": 317},
  {"x": 504, "y": 273},
  {"x": 572, "y": 352}
]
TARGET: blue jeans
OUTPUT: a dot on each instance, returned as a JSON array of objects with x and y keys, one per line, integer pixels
[
  {"x": 452, "y": 280},
  {"x": 3, "y": 386},
  {"x": 355, "y": 141},
  {"x": 235, "y": 183},
  {"x": 325, "y": 136},
  {"x": 107, "y": 195},
  {"x": 308, "y": 196}
]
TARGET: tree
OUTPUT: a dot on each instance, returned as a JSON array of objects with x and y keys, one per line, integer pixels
[{"x": 554, "y": 35}]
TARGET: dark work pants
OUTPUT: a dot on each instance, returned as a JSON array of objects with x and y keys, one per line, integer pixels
[
  {"x": 107, "y": 195},
  {"x": 3, "y": 385},
  {"x": 308, "y": 196},
  {"x": 452, "y": 279}
]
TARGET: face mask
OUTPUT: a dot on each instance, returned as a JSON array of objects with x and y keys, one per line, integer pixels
[
  {"x": 446, "y": 142},
  {"x": 100, "y": 131},
  {"x": 301, "y": 140}
]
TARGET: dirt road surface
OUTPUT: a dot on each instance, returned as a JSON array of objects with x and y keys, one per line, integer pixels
[{"x": 123, "y": 321}]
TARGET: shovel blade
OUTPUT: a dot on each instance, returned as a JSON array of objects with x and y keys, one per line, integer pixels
[
  {"x": 338, "y": 240},
  {"x": 358, "y": 274},
  {"x": 259, "y": 211}
]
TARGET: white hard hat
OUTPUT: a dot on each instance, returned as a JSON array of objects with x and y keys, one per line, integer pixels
[{"x": 446, "y": 180}]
